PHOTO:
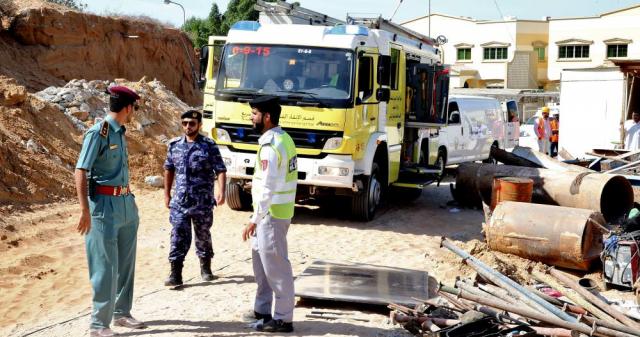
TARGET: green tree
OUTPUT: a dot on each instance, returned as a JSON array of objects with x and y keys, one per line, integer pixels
[{"x": 73, "y": 4}]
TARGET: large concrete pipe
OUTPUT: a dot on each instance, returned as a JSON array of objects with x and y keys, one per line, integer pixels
[
  {"x": 610, "y": 195},
  {"x": 559, "y": 236}
]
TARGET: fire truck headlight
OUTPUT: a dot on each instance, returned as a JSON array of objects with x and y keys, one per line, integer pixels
[
  {"x": 333, "y": 171},
  {"x": 333, "y": 143},
  {"x": 222, "y": 135}
]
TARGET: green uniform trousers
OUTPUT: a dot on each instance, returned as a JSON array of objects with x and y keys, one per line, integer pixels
[{"x": 111, "y": 253}]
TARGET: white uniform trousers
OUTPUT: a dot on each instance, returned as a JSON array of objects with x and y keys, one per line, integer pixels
[
  {"x": 272, "y": 269},
  {"x": 544, "y": 145}
]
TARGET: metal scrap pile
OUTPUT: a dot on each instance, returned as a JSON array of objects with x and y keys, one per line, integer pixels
[
  {"x": 501, "y": 307},
  {"x": 554, "y": 213}
]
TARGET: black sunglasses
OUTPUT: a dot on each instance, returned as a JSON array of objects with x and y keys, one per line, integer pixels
[{"x": 190, "y": 123}]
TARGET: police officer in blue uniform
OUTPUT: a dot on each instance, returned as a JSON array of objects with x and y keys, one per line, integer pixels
[
  {"x": 194, "y": 162},
  {"x": 109, "y": 216}
]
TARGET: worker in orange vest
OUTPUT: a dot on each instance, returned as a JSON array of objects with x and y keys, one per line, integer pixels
[
  {"x": 542, "y": 128},
  {"x": 555, "y": 133}
]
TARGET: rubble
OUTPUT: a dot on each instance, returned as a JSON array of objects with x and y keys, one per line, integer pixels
[{"x": 45, "y": 129}]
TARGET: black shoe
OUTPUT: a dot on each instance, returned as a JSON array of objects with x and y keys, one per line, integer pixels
[
  {"x": 175, "y": 278},
  {"x": 276, "y": 325},
  {"x": 252, "y": 316},
  {"x": 205, "y": 269}
]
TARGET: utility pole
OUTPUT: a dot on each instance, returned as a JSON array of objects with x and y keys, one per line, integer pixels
[
  {"x": 429, "y": 19},
  {"x": 186, "y": 50}
]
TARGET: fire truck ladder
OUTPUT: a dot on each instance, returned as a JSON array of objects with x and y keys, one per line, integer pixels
[
  {"x": 278, "y": 11},
  {"x": 384, "y": 24}
]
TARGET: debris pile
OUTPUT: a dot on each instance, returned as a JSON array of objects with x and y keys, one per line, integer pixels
[
  {"x": 44, "y": 130},
  {"x": 554, "y": 304}
]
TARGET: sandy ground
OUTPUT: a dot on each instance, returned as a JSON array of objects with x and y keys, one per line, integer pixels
[{"x": 45, "y": 287}]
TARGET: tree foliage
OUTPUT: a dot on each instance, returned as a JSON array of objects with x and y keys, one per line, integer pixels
[
  {"x": 73, "y": 4},
  {"x": 218, "y": 24}
]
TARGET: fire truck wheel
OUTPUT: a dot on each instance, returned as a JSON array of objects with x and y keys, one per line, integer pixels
[
  {"x": 236, "y": 197},
  {"x": 366, "y": 201}
]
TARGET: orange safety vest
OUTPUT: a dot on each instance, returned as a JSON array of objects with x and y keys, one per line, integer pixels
[
  {"x": 541, "y": 128},
  {"x": 555, "y": 127}
]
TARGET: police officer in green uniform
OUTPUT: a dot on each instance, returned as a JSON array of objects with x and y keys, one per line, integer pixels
[{"x": 109, "y": 215}]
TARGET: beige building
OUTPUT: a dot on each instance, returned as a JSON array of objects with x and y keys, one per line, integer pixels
[
  {"x": 593, "y": 42},
  {"x": 491, "y": 54}
]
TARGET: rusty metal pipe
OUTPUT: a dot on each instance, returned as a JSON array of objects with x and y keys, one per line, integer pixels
[
  {"x": 532, "y": 314},
  {"x": 611, "y": 195},
  {"x": 499, "y": 293},
  {"x": 543, "y": 160},
  {"x": 555, "y": 284},
  {"x": 530, "y": 299},
  {"x": 570, "y": 307},
  {"x": 559, "y": 236},
  {"x": 556, "y": 332},
  {"x": 397, "y": 317},
  {"x": 564, "y": 278},
  {"x": 603, "y": 318}
]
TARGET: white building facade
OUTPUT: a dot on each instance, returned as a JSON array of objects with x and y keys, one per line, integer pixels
[
  {"x": 498, "y": 54},
  {"x": 592, "y": 42}
]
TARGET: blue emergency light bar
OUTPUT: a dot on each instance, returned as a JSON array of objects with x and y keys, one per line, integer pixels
[
  {"x": 348, "y": 30},
  {"x": 251, "y": 26}
]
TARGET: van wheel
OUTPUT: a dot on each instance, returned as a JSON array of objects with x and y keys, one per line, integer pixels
[
  {"x": 366, "y": 201},
  {"x": 441, "y": 163},
  {"x": 236, "y": 197}
]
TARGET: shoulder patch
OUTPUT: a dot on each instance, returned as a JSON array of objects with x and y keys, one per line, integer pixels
[
  {"x": 104, "y": 129},
  {"x": 173, "y": 140}
]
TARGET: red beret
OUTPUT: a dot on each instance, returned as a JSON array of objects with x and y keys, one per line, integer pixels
[{"x": 119, "y": 91}]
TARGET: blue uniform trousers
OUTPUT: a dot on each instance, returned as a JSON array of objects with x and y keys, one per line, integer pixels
[
  {"x": 181, "y": 220},
  {"x": 111, "y": 253}
]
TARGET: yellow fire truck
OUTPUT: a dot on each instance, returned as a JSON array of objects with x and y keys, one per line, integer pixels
[{"x": 362, "y": 100}]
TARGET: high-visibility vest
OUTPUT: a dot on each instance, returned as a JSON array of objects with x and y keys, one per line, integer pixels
[
  {"x": 284, "y": 195},
  {"x": 541, "y": 134},
  {"x": 555, "y": 127}
]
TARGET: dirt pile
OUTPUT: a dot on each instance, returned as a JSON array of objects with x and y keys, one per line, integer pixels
[
  {"x": 509, "y": 265},
  {"x": 42, "y": 44},
  {"x": 41, "y": 135}
]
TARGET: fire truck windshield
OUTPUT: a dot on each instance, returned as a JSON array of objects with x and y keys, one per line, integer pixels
[{"x": 306, "y": 73}]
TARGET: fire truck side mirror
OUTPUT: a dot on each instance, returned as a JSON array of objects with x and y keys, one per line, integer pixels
[
  {"x": 383, "y": 94},
  {"x": 384, "y": 69}
]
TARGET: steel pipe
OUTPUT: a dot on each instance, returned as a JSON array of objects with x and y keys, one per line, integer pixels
[
  {"x": 512, "y": 287},
  {"x": 564, "y": 278},
  {"x": 559, "y": 236},
  {"x": 546, "y": 161},
  {"x": 603, "y": 318},
  {"x": 611, "y": 195},
  {"x": 532, "y": 314}
]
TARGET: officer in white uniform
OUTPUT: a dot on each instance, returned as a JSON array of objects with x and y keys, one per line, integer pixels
[{"x": 273, "y": 191}]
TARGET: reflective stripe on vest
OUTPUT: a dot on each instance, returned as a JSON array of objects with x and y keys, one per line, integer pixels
[
  {"x": 554, "y": 130},
  {"x": 284, "y": 195},
  {"x": 541, "y": 134}
]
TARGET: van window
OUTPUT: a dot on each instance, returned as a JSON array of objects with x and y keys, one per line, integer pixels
[
  {"x": 454, "y": 113},
  {"x": 365, "y": 80},
  {"x": 395, "y": 64}
]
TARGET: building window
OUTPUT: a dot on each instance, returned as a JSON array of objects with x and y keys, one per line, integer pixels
[
  {"x": 395, "y": 65},
  {"x": 616, "y": 50},
  {"x": 495, "y": 53},
  {"x": 573, "y": 52},
  {"x": 540, "y": 52},
  {"x": 464, "y": 54}
]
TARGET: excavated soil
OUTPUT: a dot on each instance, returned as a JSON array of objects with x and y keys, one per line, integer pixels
[
  {"x": 43, "y": 44},
  {"x": 39, "y": 144}
]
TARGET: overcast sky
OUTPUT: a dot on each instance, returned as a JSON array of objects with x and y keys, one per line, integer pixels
[{"x": 479, "y": 9}]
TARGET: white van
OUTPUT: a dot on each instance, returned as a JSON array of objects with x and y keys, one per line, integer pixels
[{"x": 473, "y": 125}]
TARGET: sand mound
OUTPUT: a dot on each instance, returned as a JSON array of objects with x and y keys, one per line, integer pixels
[{"x": 41, "y": 135}]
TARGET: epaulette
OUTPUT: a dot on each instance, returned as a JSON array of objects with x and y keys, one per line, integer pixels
[
  {"x": 104, "y": 129},
  {"x": 174, "y": 140}
]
